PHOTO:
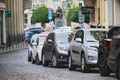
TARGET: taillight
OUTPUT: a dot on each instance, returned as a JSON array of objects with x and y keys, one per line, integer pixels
[{"x": 111, "y": 43}]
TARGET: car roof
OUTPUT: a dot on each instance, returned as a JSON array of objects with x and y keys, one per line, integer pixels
[
  {"x": 30, "y": 27},
  {"x": 94, "y": 29},
  {"x": 43, "y": 34}
]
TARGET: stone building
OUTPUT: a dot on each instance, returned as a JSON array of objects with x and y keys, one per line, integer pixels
[
  {"x": 106, "y": 12},
  {"x": 14, "y": 23},
  {"x": 11, "y": 21}
]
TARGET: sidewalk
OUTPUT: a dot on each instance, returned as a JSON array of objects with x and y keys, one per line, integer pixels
[{"x": 18, "y": 46}]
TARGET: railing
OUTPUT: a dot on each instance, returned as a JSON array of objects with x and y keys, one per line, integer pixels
[{"x": 14, "y": 42}]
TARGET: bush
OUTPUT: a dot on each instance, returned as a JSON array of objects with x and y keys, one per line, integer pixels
[
  {"x": 41, "y": 15},
  {"x": 73, "y": 15}
]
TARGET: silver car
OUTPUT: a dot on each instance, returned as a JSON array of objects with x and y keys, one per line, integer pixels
[{"x": 83, "y": 49}]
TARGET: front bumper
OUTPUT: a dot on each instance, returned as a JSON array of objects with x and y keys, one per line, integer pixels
[
  {"x": 92, "y": 57},
  {"x": 62, "y": 58}
]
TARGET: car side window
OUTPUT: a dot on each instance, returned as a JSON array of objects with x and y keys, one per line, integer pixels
[
  {"x": 79, "y": 34},
  {"x": 113, "y": 32},
  {"x": 51, "y": 36},
  {"x": 37, "y": 41}
]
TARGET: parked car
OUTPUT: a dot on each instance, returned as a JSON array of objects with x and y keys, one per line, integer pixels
[
  {"x": 83, "y": 49},
  {"x": 109, "y": 53},
  {"x": 64, "y": 29},
  {"x": 55, "y": 49},
  {"x": 30, "y": 46},
  {"x": 29, "y": 31},
  {"x": 37, "y": 48}
]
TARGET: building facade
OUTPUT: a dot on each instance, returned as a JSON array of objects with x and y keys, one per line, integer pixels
[
  {"x": 14, "y": 23},
  {"x": 106, "y": 12}
]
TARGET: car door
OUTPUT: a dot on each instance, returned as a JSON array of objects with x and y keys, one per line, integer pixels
[
  {"x": 114, "y": 46},
  {"x": 40, "y": 46},
  {"x": 49, "y": 45},
  {"x": 76, "y": 46}
]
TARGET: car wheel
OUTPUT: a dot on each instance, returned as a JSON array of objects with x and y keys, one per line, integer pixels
[
  {"x": 84, "y": 66},
  {"x": 103, "y": 67},
  {"x": 70, "y": 66},
  {"x": 32, "y": 60},
  {"x": 54, "y": 61},
  {"x": 29, "y": 56},
  {"x": 118, "y": 69},
  {"x": 44, "y": 63},
  {"x": 37, "y": 61}
]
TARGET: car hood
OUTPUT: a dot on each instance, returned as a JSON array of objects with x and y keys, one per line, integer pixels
[
  {"x": 65, "y": 45},
  {"x": 92, "y": 44}
]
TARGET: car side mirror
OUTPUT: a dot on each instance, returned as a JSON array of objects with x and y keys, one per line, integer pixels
[
  {"x": 34, "y": 44},
  {"x": 102, "y": 37},
  {"x": 78, "y": 40},
  {"x": 50, "y": 40}
]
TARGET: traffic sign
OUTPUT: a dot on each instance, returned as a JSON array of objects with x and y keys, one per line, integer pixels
[
  {"x": 49, "y": 13},
  {"x": 81, "y": 17}
]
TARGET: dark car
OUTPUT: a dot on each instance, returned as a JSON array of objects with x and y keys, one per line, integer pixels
[
  {"x": 109, "y": 53},
  {"x": 55, "y": 49}
]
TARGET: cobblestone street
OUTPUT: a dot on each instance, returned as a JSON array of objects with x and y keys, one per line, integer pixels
[{"x": 14, "y": 66}]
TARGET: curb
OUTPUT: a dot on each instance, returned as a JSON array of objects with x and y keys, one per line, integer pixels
[{"x": 13, "y": 50}]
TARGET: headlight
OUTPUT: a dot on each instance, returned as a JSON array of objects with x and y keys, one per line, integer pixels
[
  {"x": 60, "y": 48},
  {"x": 93, "y": 48}
]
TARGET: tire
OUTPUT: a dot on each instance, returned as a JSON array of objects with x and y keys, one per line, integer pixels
[
  {"x": 29, "y": 56},
  {"x": 37, "y": 61},
  {"x": 32, "y": 60},
  {"x": 70, "y": 66},
  {"x": 84, "y": 65},
  {"x": 54, "y": 61},
  {"x": 44, "y": 62},
  {"x": 103, "y": 67},
  {"x": 118, "y": 69}
]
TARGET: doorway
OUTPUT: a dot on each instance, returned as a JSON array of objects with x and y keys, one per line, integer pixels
[{"x": 1, "y": 27}]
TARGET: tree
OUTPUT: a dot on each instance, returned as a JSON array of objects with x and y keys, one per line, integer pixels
[
  {"x": 41, "y": 15},
  {"x": 73, "y": 15}
]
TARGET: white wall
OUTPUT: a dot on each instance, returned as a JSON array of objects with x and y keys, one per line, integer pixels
[{"x": 117, "y": 12}]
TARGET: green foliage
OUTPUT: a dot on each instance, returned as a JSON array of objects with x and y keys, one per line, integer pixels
[
  {"x": 41, "y": 15},
  {"x": 73, "y": 15},
  {"x": 87, "y": 18}
]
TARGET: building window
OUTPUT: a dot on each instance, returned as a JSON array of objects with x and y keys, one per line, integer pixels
[
  {"x": 33, "y": 5},
  {"x": 25, "y": 18},
  {"x": 42, "y": 2},
  {"x": 81, "y": 2}
]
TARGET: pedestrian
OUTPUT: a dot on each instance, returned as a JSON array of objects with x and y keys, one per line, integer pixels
[{"x": 81, "y": 26}]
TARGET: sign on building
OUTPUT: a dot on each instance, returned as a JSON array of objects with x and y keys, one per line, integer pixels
[
  {"x": 7, "y": 14},
  {"x": 87, "y": 10}
]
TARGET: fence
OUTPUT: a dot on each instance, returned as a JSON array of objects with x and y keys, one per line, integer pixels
[{"x": 14, "y": 42}]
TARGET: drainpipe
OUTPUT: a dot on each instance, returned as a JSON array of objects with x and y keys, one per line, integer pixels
[
  {"x": 98, "y": 6},
  {"x": 113, "y": 11}
]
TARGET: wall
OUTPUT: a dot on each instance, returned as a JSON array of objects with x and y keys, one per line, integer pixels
[{"x": 116, "y": 12}]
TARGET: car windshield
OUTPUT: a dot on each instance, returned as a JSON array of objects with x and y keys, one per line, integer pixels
[
  {"x": 62, "y": 37},
  {"x": 36, "y": 30},
  {"x": 92, "y": 36},
  {"x": 41, "y": 40}
]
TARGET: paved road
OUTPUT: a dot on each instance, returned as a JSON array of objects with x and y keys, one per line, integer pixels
[{"x": 14, "y": 66}]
